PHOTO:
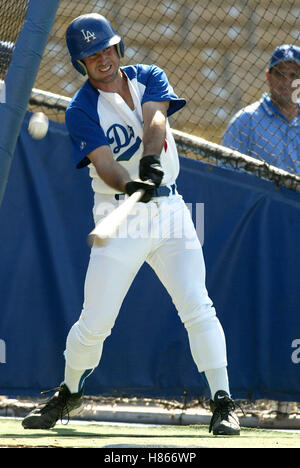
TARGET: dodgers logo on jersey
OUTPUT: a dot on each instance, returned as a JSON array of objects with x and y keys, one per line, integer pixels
[{"x": 120, "y": 137}]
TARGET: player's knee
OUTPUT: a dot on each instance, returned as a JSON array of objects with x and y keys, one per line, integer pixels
[
  {"x": 196, "y": 308},
  {"x": 202, "y": 323},
  {"x": 83, "y": 347},
  {"x": 85, "y": 336}
]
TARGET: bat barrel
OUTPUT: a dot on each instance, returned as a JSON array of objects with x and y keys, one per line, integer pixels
[{"x": 107, "y": 227}]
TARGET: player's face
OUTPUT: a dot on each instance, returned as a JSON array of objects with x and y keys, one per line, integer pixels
[
  {"x": 282, "y": 81},
  {"x": 103, "y": 67}
]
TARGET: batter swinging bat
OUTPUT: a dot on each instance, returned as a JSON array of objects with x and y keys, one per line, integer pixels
[{"x": 108, "y": 226}]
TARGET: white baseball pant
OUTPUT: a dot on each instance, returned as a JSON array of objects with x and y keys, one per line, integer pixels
[{"x": 161, "y": 233}]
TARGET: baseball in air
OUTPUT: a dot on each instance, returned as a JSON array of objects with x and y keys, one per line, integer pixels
[{"x": 38, "y": 125}]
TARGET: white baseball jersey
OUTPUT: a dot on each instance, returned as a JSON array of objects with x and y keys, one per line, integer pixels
[{"x": 95, "y": 118}]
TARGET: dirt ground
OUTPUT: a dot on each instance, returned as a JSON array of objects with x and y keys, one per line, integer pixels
[{"x": 259, "y": 414}]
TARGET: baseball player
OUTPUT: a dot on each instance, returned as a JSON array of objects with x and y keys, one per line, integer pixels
[{"x": 118, "y": 124}]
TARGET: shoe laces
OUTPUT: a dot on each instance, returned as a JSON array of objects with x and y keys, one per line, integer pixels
[
  {"x": 223, "y": 409},
  {"x": 60, "y": 400},
  {"x": 44, "y": 392}
]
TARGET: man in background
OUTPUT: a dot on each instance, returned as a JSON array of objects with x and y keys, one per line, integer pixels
[{"x": 269, "y": 129}]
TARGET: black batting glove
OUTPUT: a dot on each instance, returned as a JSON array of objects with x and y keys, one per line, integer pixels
[
  {"x": 150, "y": 168},
  {"x": 148, "y": 187}
]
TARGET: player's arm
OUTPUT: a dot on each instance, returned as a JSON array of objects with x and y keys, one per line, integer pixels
[
  {"x": 115, "y": 175},
  {"x": 109, "y": 170},
  {"x": 155, "y": 118}
]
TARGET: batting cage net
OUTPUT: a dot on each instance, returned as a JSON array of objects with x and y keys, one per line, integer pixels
[
  {"x": 215, "y": 54},
  {"x": 12, "y": 16}
]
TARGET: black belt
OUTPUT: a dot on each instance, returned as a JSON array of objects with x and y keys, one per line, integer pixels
[{"x": 162, "y": 191}]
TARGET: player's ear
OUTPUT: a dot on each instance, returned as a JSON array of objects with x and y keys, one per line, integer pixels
[{"x": 268, "y": 75}]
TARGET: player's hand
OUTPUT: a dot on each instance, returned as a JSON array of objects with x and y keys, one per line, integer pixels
[
  {"x": 135, "y": 185},
  {"x": 150, "y": 168}
]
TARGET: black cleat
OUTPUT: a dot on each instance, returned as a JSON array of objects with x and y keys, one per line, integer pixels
[
  {"x": 61, "y": 404},
  {"x": 224, "y": 421}
]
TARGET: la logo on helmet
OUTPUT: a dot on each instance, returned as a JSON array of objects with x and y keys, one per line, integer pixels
[
  {"x": 88, "y": 36},
  {"x": 288, "y": 54}
]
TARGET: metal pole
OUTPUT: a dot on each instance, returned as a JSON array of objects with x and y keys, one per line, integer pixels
[{"x": 20, "y": 79}]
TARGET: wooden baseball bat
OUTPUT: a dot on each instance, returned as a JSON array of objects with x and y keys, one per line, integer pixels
[{"x": 108, "y": 226}]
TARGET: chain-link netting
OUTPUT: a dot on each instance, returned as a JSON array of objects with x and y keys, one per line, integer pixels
[
  {"x": 215, "y": 54},
  {"x": 12, "y": 15}
]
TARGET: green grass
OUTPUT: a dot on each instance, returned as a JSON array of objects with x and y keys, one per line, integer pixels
[{"x": 97, "y": 435}]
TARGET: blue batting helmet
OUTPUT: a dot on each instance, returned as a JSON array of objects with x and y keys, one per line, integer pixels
[{"x": 88, "y": 34}]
